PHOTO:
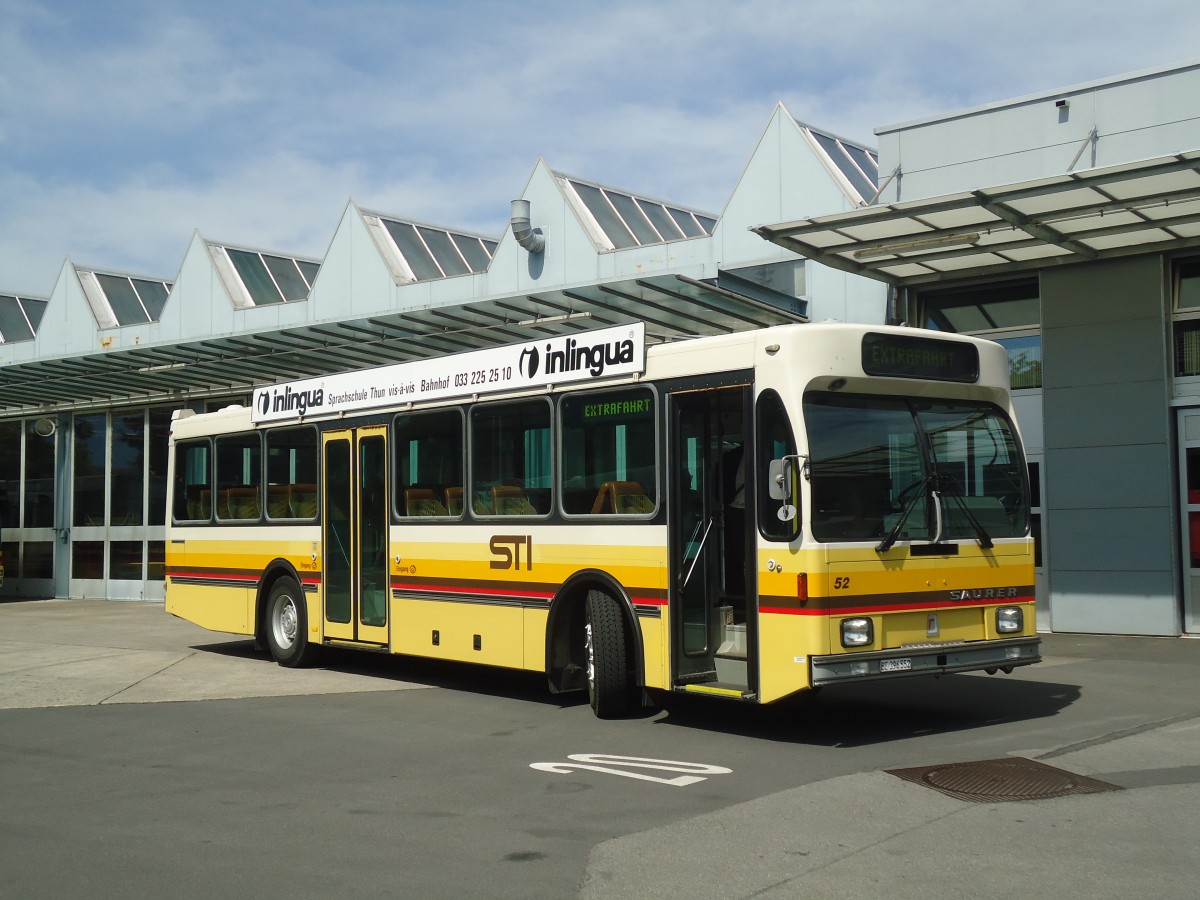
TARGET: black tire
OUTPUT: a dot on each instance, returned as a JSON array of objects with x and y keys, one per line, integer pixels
[
  {"x": 610, "y": 686},
  {"x": 287, "y": 625}
]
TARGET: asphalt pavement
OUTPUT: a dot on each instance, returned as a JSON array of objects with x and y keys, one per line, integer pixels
[{"x": 819, "y": 812}]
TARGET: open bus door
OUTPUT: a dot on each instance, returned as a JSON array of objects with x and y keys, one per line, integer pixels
[
  {"x": 354, "y": 535},
  {"x": 712, "y": 540}
]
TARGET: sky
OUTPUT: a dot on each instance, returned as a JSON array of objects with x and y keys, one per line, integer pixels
[{"x": 126, "y": 127}]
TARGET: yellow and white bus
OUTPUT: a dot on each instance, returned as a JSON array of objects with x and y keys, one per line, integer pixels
[{"x": 745, "y": 516}]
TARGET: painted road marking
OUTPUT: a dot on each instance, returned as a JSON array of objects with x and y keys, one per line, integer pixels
[{"x": 603, "y": 762}]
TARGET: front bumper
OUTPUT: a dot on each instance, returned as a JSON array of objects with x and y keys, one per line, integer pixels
[{"x": 926, "y": 659}]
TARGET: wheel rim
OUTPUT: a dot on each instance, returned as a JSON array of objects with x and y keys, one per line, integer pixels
[{"x": 284, "y": 623}]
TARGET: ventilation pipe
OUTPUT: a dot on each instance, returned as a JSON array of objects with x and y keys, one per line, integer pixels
[{"x": 531, "y": 240}]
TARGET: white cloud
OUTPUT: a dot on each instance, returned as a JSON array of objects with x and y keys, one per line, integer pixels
[{"x": 124, "y": 126}]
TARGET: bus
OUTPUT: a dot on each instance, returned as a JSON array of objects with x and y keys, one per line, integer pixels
[{"x": 745, "y": 516}]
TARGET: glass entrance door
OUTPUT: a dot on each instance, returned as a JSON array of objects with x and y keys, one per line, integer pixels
[
  {"x": 355, "y": 535},
  {"x": 115, "y": 525},
  {"x": 711, "y": 540},
  {"x": 1189, "y": 463},
  {"x": 28, "y": 470}
]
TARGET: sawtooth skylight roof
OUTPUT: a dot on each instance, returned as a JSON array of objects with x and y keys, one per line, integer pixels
[
  {"x": 20, "y": 317},
  {"x": 624, "y": 220},
  {"x": 266, "y": 279},
  {"x": 428, "y": 252},
  {"x": 859, "y": 165},
  {"x": 118, "y": 299}
]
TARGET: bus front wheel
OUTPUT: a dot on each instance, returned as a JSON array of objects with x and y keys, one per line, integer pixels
[
  {"x": 287, "y": 625},
  {"x": 609, "y": 686}
]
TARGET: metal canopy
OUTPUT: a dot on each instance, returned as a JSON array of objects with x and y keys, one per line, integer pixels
[
  {"x": 1141, "y": 207},
  {"x": 672, "y": 306}
]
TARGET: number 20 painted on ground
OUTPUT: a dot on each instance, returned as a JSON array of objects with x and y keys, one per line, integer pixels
[{"x": 602, "y": 762}]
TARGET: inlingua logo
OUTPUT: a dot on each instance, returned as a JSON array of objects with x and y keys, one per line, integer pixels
[
  {"x": 594, "y": 357},
  {"x": 529, "y": 362},
  {"x": 288, "y": 400}
]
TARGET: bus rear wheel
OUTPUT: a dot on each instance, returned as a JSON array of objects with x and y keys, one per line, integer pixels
[
  {"x": 287, "y": 625},
  {"x": 609, "y": 684}
]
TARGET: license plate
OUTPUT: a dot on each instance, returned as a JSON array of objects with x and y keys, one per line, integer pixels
[{"x": 903, "y": 664}]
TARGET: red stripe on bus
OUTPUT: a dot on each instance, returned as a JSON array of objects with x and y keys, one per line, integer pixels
[
  {"x": 488, "y": 592},
  {"x": 451, "y": 591},
  {"x": 882, "y": 608}
]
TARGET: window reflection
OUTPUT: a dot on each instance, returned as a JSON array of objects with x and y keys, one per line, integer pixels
[
  {"x": 876, "y": 464},
  {"x": 128, "y": 468},
  {"x": 88, "y": 495},
  {"x": 39, "y": 479}
]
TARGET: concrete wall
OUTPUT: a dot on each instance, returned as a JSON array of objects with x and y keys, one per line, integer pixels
[{"x": 1111, "y": 544}]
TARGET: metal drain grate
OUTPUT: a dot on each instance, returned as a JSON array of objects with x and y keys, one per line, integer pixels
[{"x": 997, "y": 780}]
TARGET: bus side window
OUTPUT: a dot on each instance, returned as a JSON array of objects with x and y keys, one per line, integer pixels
[
  {"x": 428, "y": 460},
  {"x": 239, "y": 477},
  {"x": 623, "y": 497},
  {"x": 775, "y": 441},
  {"x": 511, "y": 459},
  {"x": 291, "y": 473},
  {"x": 608, "y": 450},
  {"x": 422, "y": 502},
  {"x": 193, "y": 482},
  {"x": 302, "y": 501},
  {"x": 278, "y": 496}
]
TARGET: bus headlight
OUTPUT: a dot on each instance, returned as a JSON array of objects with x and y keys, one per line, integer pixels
[
  {"x": 1010, "y": 620},
  {"x": 857, "y": 632}
]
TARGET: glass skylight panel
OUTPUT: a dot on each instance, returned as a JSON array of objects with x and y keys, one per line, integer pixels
[
  {"x": 287, "y": 277},
  {"x": 270, "y": 279},
  {"x": 661, "y": 220},
  {"x": 153, "y": 295},
  {"x": 413, "y": 249},
  {"x": 444, "y": 251},
  {"x": 257, "y": 280},
  {"x": 122, "y": 299},
  {"x": 14, "y": 326},
  {"x": 634, "y": 218},
  {"x": 627, "y": 220},
  {"x": 604, "y": 214},
  {"x": 431, "y": 252},
  {"x": 687, "y": 222},
  {"x": 833, "y": 147},
  {"x": 34, "y": 310},
  {"x": 309, "y": 270},
  {"x": 474, "y": 250},
  {"x": 868, "y": 163}
]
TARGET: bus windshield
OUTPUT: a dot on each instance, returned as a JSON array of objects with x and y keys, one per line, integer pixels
[{"x": 895, "y": 468}]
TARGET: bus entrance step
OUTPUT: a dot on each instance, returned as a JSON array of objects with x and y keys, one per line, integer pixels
[
  {"x": 719, "y": 689},
  {"x": 356, "y": 645},
  {"x": 696, "y": 677}
]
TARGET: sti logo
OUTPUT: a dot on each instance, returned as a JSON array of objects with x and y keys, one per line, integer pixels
[{"x": 529, "y": 362}]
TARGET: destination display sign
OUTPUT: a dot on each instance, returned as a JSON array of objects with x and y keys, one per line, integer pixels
[
  {"x": 905, "y": 356},
  {"x": 589, "y": 355}
]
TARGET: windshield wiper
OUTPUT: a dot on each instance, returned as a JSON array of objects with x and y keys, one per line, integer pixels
[
  {"x": 949, "y": 481},
  {"x": 917, "y": 493}
]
